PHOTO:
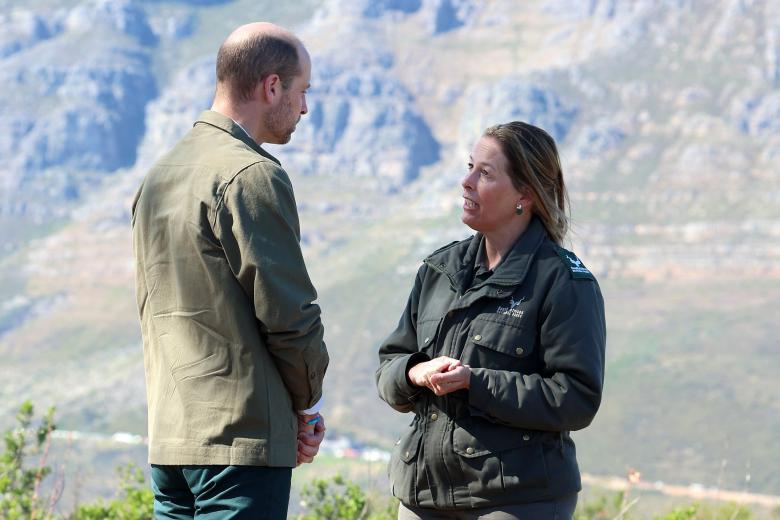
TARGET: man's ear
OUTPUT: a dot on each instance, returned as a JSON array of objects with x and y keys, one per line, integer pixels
[{"x": 270, "y": 88}]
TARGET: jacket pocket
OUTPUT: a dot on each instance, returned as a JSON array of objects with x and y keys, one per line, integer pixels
[
  {"x": 403, "y": 465},
  {"x": 426, "y": 335},
  {"x": 497, "y": 458},
  {"x": 498, "y": 343},
  {"x": 200, "y": 357}
]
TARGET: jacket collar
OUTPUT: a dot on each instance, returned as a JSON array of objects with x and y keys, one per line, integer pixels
[
  {"x": 225, "y": 123},
  {"x": 458, "y": 265}
]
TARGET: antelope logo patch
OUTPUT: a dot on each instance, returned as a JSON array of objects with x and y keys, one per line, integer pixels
[{"x": 511, "y": 310}]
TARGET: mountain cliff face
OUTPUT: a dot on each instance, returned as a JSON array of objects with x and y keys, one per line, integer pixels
[
  {"x": 362, "y": 120},
  {"x": 666, "y": 114},
  {"x": 68, "y": 111}
]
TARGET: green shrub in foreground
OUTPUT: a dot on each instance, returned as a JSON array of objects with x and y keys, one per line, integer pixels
[
  {"x": 19, "y": 484},
  {"x": 340, "y": 499},
  {"x": 136, "y": 501}
]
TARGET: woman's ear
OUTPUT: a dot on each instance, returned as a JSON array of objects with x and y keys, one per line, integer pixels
[{"x": 526, "y": 199}]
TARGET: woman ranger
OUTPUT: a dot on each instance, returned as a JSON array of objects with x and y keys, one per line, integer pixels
[{"x": 500, "y": 351}]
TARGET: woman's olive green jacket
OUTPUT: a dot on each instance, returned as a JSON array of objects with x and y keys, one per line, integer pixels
[{"x": 534, "y": 336}]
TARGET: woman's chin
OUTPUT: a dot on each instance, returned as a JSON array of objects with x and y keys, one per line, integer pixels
[{"x": 470, "y": 221}]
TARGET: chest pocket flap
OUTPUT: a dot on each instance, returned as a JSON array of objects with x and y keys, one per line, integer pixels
[
  {"x": 426, "y": 333},
  {"x": 501, "y": 335}
]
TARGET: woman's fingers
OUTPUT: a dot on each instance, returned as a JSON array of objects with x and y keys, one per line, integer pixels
[
  {"x": 456, "y": 379},
  {"x": 448, "y": 363},
  {"x": 439, "y": 384},
  {"x": 421, "y": 373},
  {"x": 428, "y": 373}
]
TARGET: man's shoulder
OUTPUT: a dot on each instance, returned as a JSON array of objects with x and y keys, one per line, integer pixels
[
  {"x": 261, "y": 182},
  {"x": 213, "y": 152},
  {"x": 216, "y": 147},
  {"x": 259, "y": 174}
]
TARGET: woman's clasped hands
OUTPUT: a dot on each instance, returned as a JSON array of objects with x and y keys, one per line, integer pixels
[{"x": 441, "y": 375}]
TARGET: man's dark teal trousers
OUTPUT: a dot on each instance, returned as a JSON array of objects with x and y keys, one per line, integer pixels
[{"x": 220, "y": 492}]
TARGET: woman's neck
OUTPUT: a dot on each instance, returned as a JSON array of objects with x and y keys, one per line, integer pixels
[{"x": 499, "y": 242}]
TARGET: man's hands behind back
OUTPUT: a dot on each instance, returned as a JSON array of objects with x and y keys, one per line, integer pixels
[{"x": 309, "y": 437}]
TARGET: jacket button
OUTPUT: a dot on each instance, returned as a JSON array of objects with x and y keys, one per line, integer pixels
[
  {"x": 406, "y": 455},
  {"x": 470, "y": 450},
  {"x": 426, "y": 340},
  {"x": 519, "y": 351},
  {"x": 434, "y": 416},
  {"x": 526, "y": 437},
  {"x": 477, "y": 337}
]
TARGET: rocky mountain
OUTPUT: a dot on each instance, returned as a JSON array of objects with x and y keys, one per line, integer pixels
[
  {"x": 666, "y": 114},
  {"x": 67, "y": 112}
]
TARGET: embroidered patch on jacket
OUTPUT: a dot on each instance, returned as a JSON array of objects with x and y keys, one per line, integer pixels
[
  {"x": 510, "y": 309},
  {"x": 570, "y": 260}
]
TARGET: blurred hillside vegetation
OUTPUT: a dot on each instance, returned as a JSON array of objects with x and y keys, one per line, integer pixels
[{"x": 667, "y": 113}]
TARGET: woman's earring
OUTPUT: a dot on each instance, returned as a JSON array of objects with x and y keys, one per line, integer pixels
[{"x": 519, "y": 209}]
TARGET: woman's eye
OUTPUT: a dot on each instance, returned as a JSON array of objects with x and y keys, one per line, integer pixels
[
  {"x": 483, "y": 173},
  {"x": 470, "y": 166}
]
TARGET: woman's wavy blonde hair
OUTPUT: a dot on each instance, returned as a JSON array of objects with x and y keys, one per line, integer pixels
[{"x": 535, "y": 164}]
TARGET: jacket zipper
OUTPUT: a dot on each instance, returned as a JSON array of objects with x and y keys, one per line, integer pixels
[{"x": 450, "y": 411}]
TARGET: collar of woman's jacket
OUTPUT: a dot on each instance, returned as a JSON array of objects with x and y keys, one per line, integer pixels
[{"x": 511, "y": 271}]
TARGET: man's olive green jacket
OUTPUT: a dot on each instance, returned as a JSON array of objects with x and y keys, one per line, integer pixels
[
  {"x": 232, "y": 339},
  {"x": 534, "y": 336}
]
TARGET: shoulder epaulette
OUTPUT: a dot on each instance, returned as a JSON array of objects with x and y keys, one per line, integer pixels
[{"x": 574, "y": 265}]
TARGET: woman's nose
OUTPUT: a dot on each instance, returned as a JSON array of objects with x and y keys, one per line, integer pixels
[{"x": 468, "y": 181}]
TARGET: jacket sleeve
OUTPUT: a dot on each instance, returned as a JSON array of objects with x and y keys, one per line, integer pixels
[
  {"x": 398, "y": 353},
  {"x": 567, "y": 394},
  {"x": 257, "y": 224}
]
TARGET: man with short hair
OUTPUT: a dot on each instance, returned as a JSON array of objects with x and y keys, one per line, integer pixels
[{"x": 233, "y": 347}]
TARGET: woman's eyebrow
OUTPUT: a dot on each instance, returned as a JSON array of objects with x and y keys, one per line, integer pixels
[{"x": 483, "y": 163}]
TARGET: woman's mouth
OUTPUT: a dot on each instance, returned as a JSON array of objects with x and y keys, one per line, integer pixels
[{"x": 469, "y": 204}]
